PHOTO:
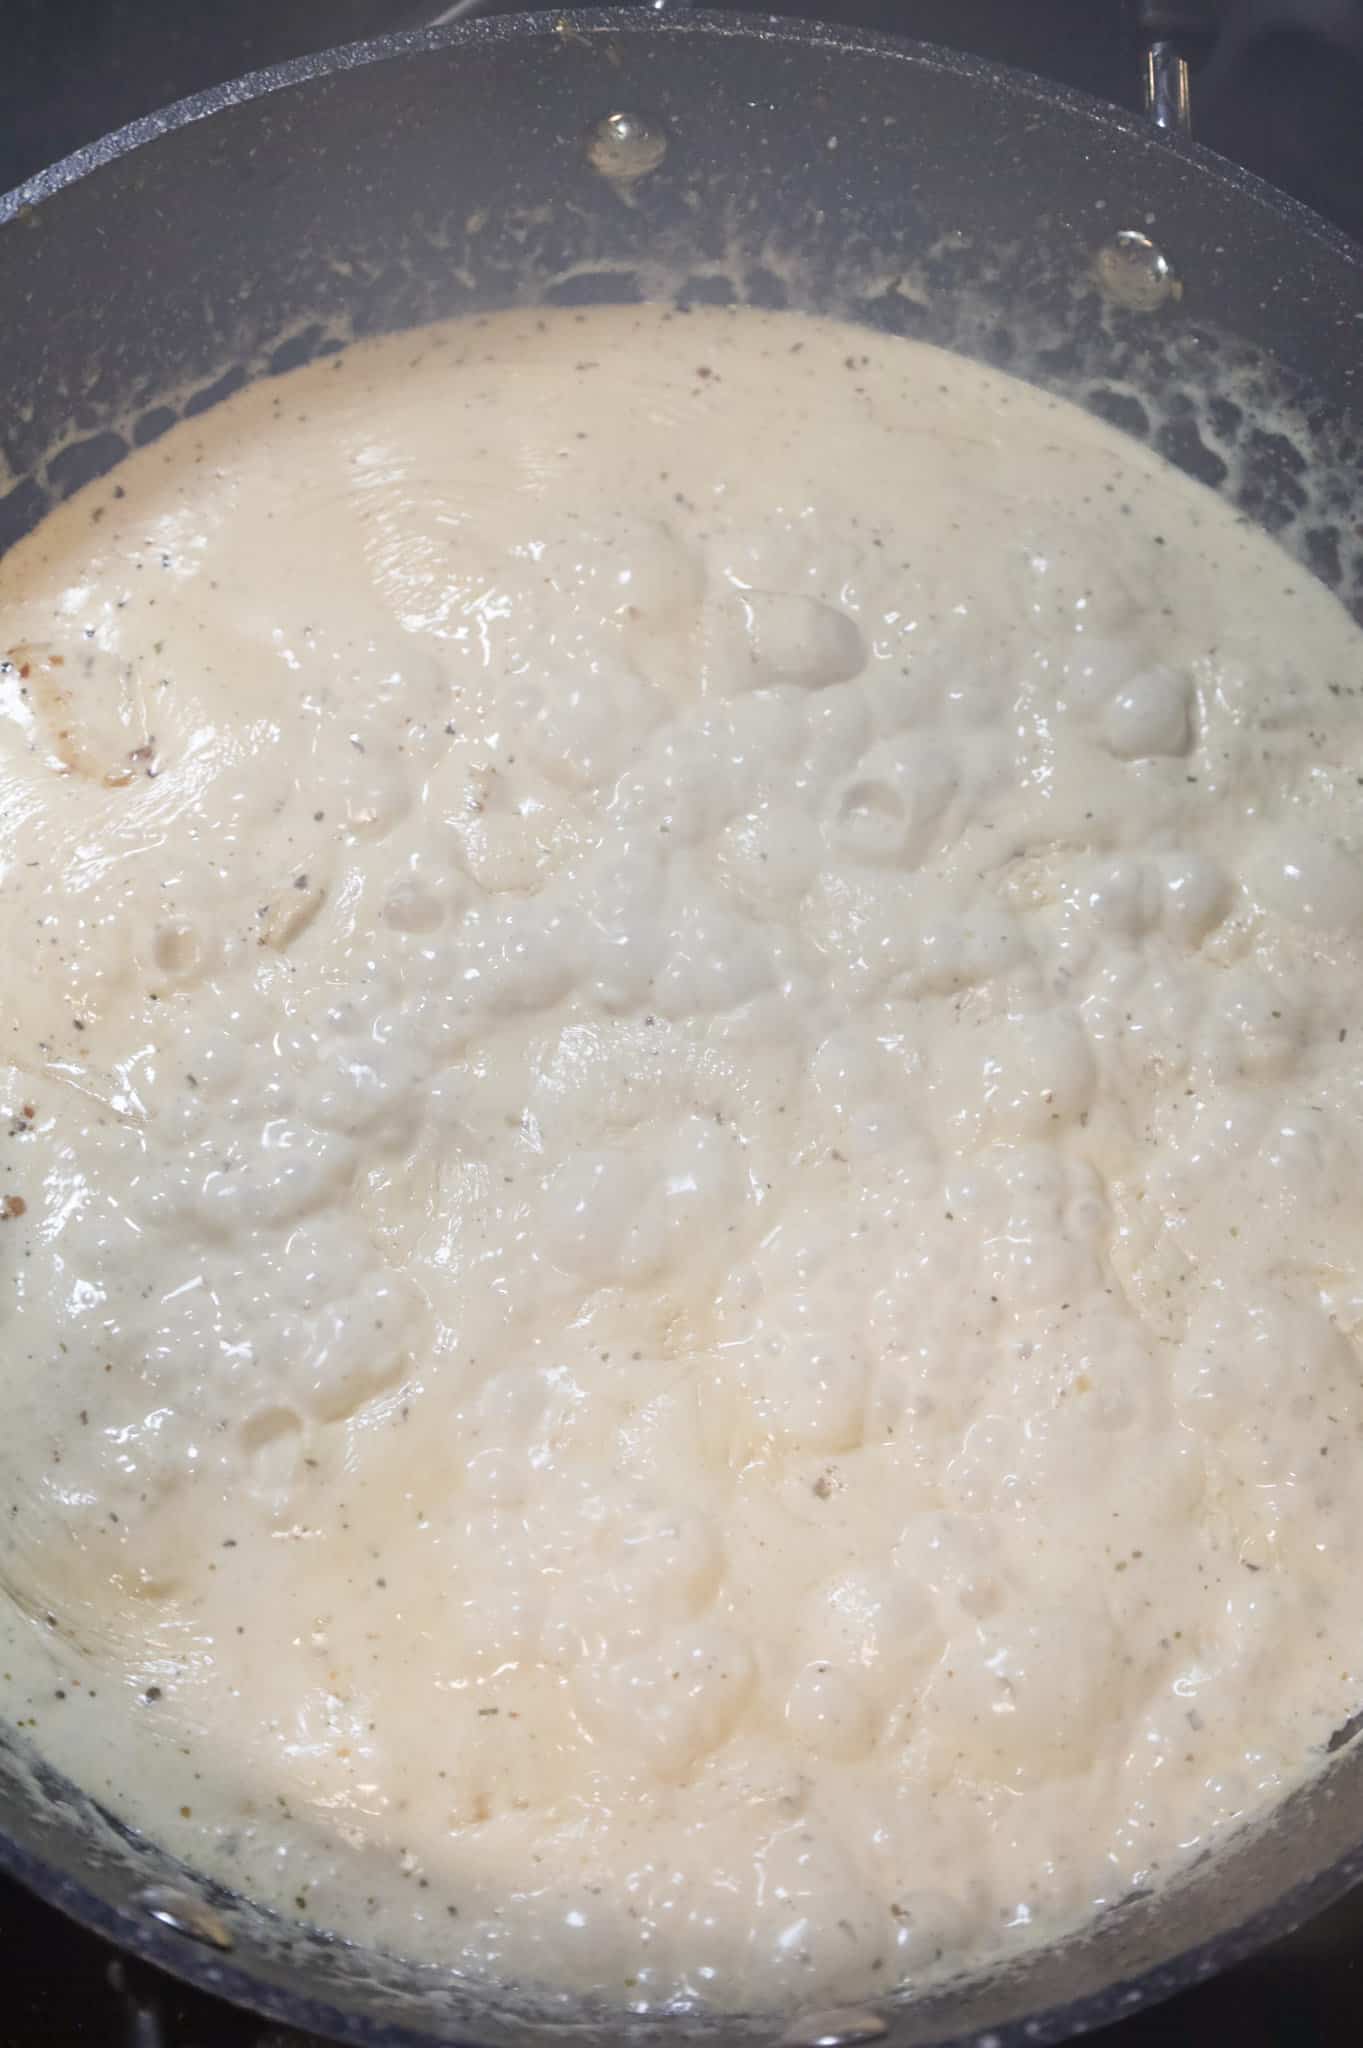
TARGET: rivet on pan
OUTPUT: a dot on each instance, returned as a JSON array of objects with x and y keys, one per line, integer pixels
[
  {"x": 626, "y": 146},
  {"x": 1135, "y": 274},
  {"x": 186, "y": 1914},
  {"x": 840, "y": 2029}
]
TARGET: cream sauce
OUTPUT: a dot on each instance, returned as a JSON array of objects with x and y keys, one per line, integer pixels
[{"x": 682, "y": 1246}]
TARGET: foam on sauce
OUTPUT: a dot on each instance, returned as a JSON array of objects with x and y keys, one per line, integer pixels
[{"x": 681, "y": 1157}]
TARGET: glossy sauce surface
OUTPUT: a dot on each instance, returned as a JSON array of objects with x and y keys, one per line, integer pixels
[{"x": 680, "y": 1154}]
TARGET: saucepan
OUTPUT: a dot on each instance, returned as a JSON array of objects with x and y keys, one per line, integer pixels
[{"x": 613, "y": 156}]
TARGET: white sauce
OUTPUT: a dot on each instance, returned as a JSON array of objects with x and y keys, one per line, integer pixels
[{"x": 683, "y": 1273}]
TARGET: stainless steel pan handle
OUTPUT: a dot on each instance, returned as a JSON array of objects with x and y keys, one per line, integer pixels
[{"x": 1172, "y": 33}]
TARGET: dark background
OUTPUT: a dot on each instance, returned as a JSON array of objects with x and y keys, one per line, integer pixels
[{"x": 1279, "y": 86}]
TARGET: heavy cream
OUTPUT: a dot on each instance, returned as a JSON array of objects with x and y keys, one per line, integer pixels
[{"x": 683, "y": 1266}]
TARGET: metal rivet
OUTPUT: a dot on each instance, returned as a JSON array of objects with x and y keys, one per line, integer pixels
[
  {"x": 1135, "y": 274},
  {"x": 839, "y": 2029},
  {"x": 626, "y": 146},
  {"x": 186, "y": 1914}
]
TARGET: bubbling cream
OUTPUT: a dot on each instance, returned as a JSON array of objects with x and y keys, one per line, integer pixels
[{"x": 681, "y": 1157}]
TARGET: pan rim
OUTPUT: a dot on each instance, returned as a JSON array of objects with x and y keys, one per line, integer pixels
[{"x": 619, "y": 22}]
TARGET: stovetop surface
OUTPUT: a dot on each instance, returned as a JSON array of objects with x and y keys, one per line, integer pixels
[{"x": 1287, "y": 104}]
